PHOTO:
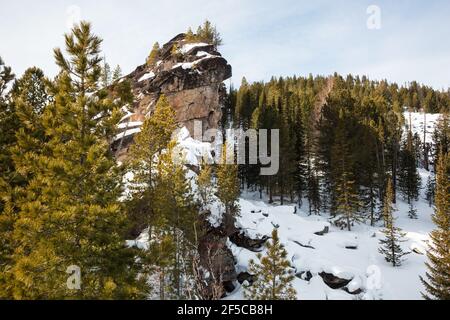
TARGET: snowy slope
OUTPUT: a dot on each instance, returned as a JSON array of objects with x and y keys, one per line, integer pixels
[
  {"x": 418, "y": 124},
  {"x": 364, "y": 266}
]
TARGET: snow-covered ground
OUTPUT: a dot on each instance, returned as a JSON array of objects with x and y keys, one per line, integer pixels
[
  {"x": 328, "y": 253},
  {"x": 418, "y": 123}
]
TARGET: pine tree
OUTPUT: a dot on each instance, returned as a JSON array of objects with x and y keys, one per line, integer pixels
[
  {"x": 441, "y": 136},
  {"x": 155, "y": 136},
  {"x": 346, "y": 197},
  {"x": 69, "y": 214},
  {"x": 228, "y": 187},
  {"x": 177, "y": 214},
  {"x": 8, "y": 121},
  {"x": 8, "y": 124},
  {"x": 409, "y": 178},
  {"x": 390, "y": 246},
  {"x": 154, "y": 55},
  {"x": 106, "y": 76},
  {"x": 273, "y": 274},
  {"x": 162, "y": 200},
  {"x": 209, "y": 34},
  {"x": 437, "y": 281},
  {"x": 117, "y": 73}
]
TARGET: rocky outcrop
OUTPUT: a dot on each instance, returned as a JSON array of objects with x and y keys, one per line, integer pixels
[{"x": 190, "y": 75}]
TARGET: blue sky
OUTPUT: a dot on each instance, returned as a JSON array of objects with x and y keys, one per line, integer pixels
[{"x": 261, "y": 38}]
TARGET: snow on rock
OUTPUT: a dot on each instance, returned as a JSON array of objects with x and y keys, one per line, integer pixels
[
  {"x": 126, "y": 134},
  {"x": 202, "y": 55},
  {"x": 193, "y": 150},
  {"x": 149, "y": 75},
  {"x": 130, "y": 124},
  {"x": 189, "y": 46}
]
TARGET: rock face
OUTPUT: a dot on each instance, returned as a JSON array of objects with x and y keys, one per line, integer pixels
[{"x": 190, "y": 75}]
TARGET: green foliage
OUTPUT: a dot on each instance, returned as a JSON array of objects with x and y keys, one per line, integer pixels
[
  {"x": 228, "y": 190},
  {"x": 106, "y": 77},
  {"x": 162, "y": 200},
  {"x": 346, "y": 197},
  {"x": 390, "y": 245},
  {"x": 154, "y": 55},
  {"x": 8, "y": 124},
  {"x": 117, "y": 73},
  {"x": 273, "y": 274},
  {"x": 68, "y": 212},
  {"x": 155, "y": 135},
  {"x": 206, "y": 33},
  {"x": 409, "y": 178},
  {"x": 437, "y": 280}
]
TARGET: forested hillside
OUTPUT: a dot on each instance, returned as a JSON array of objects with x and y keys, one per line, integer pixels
[
  {"x": 341, "y": 138},
  {"x": 104, "y": 194}
]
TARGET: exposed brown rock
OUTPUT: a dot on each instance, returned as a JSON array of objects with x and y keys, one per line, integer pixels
[{"x": 190, "y": 75}]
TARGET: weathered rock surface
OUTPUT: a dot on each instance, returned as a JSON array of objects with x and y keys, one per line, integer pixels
[{"x": 190, "y": 75}]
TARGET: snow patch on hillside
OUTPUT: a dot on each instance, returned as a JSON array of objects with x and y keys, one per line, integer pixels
[
  {"x": 418, "y": 124},
  {"x": 348, "y": 255}
]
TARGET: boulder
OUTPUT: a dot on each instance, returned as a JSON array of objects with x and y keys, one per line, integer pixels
[
  {"x": 325, "y": 231},
  {"x": 333, "y": 281},
  {"x": 246, "y": 277},
  {"x": 242, "y": 240}
]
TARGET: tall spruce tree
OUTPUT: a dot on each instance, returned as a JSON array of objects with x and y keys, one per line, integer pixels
[
  {"x": 409, "y": 178},
  {"x": 273, "y": 274},
  {"x": 228, "y": 187},
  {"x": 69, "y": 214},
  {"x": 437, "y": 280},
  {"x": 177, "y": 213},
  {"x": 117, "y": 73},
  {"x": 346, "y": 196},
  {"x": 390, "y": 245}
]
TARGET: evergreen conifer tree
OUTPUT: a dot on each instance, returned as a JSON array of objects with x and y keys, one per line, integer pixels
[
  {"x": 154, "y": 55},
  {"x": 273, "y": 274},
  {"x": 390, "y": 245},
  {"x": 8, "y": 125},
  {"x": 228, "y": 187},
  {"x": 437, "y": 280},
  {"x": 409, "y": 178},
  {"x": 346, "y": 197},
  {"x": 117, "y": 73},
  {"x": 69, "y": 214}
]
